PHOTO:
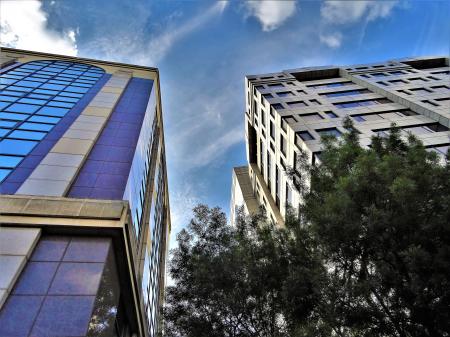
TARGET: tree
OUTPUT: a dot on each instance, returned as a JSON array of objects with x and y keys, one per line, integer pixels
[
  {"x": 380, "y": 217},
  {"x": 231, "y": 281},
  {"x": 370, "y": 255}
]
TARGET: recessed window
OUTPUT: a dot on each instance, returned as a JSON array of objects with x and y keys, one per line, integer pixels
[
  {"x": 430, "y": 103},
  {"x": 368, "y": 102},
  {"x": 396, "y": 72},
  {"x": 305, "y": 135},
  {"x": 267, "y": 96},
  {"x": 283, "y": 145},
  {"x": 404, "y": 92},
  {"x": 358, "y": 118},
  {"x": 398, "y": 81},
  {"x": 285, "y": 94},
  {"x": 329, "y": 132},
  {"x": 329, "y": 85},
  {"x": 296, "y": 104},
  {"x": 311, "y": 117},
  {"x": 445, "y": 72},
  {"x": 420, "y": 91},
  {"x": 314, "y": 102},
  {"x": 346, "y": 93},
  {"x": 330, "y": 114},
  {"x": 277, "y": 106},
  {"x": 276, "y": 86},
  {"x": 417, "y": 79},
  {"x": 378, "y": 74}
]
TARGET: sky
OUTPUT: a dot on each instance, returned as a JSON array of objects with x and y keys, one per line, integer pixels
[{"x": 204, "y": 49}]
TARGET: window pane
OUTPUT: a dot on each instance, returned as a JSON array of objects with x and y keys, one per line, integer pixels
[
  {"x": 52, "y": 111},
  {"x": 42, "y": 119},
  {"x": 12, "y": 116},
  {"x": 61, "y": 104},
  {"x": 32, "y": 135},
  {"x": 32, "y": 101},
  {"x": 23, "y": 108},
  {"x": 10, "y": 161},
  {"x": 17, "y": 147},
  {"x": 7, "y": 124},
  {"x": 36, "y": 126},
  {"x": 8, "y": 98},
  {"x": 3, "y": 174}
]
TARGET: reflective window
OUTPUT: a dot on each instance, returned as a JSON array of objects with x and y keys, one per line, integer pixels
[
  {"x": 329, "y": 132},
  {"x": 33, "y": 98}
]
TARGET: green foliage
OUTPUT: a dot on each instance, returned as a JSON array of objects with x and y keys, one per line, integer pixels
[{"x": 370, "y": 255}]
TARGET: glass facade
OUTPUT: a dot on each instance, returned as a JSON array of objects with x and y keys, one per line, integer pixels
[
  {"x": 69, "y": 287},
  {"x": 34, "y": 97}
]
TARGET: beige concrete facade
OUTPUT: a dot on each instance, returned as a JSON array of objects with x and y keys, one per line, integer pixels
[{"x": 289, "y": 110}]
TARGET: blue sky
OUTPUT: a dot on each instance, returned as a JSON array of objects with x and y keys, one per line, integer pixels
[{"x": 205, "y": 48}]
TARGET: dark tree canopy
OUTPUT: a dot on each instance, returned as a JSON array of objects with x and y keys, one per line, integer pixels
[{"x": 369, "y": 256}]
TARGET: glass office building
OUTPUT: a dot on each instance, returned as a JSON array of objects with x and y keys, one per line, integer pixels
[{"x": 84, "y": 207}]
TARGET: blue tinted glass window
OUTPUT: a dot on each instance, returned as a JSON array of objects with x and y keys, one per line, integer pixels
[
  {"x": 70, "y": 94},
  {"x": 16, "y": 147},
  {"x": 43, "y": 91},
  {"x": 44, "y": 119},
  {"x": 52, "y": 111},
  {"x": 4, "y": 173},
  {"x": 36, "y": 126},
  {"x": 52, "y": 86},
  {"x": 33, "y": 135},
  {"x": 25, "y": 121},
  {"x": 67, "y": 99},
  {"x": 7, "y": 124},
  {"x": 76, "y": 89},
  {"x": 7, "y": 80},
  {"x": 39, "y": 96},
  {"x": 13, "y": 116},
  {"x": 30, "y": 84},
  {"x": 10, "y": 161},
  {"x": 12, "y": 93},
  {"x": 8, "y": 98},
  {"x": 23, "y": 108},
  {"x": 4, "y": 105},
  {"x": 22, "y": 89},
  {"x": 32, "y": 101},
  {"x": 81, "y": 84}
]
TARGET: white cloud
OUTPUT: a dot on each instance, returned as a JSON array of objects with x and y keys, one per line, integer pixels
[
  {"x": 23, "y": 25},
  {"x": 332, "y": 40},
  {"x": 131, "y": 45},
  {"x": 159, "y": 46},
  {"x": 341, "y": 12},
  {"x": 271, "y": 13}
]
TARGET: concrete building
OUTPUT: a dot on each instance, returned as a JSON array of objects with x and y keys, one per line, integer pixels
[
  {"x": 291, "y": 110},
  {"x": 84, "y": 207}
]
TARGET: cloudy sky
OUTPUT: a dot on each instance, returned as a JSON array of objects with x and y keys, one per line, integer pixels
[{"x": 205, "y": 48}]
